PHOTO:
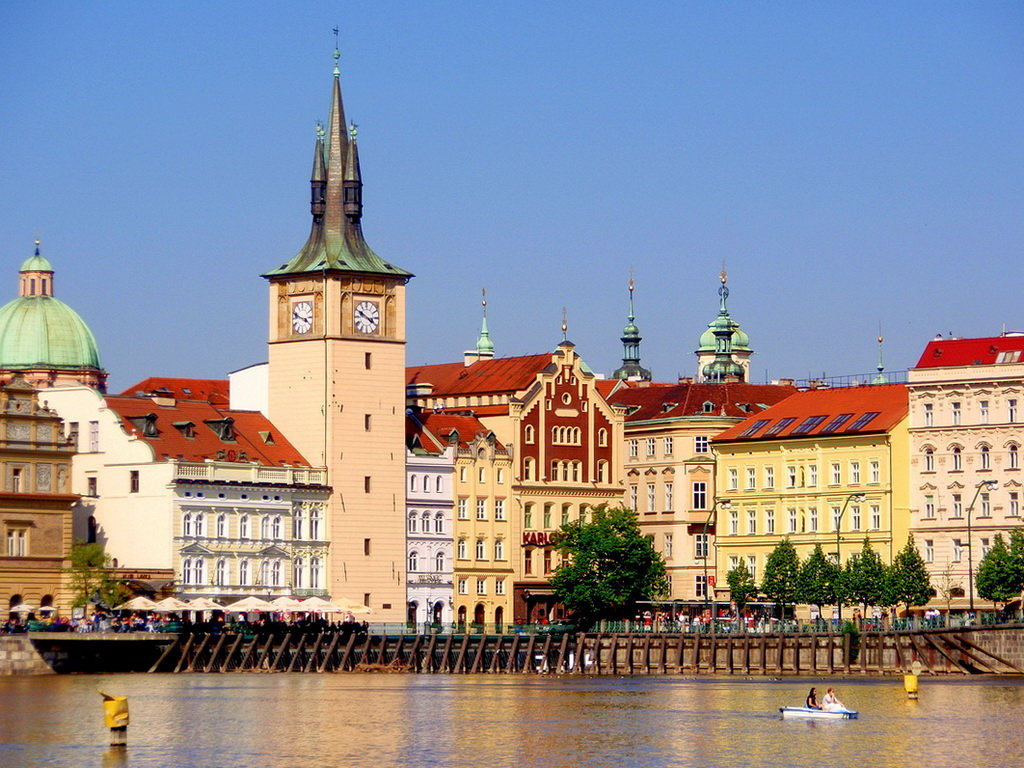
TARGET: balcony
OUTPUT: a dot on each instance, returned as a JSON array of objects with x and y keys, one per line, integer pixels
[{"x": 234, "y": 472}]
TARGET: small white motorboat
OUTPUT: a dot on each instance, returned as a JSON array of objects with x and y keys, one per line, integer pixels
[{"x": 817, "y": 714}]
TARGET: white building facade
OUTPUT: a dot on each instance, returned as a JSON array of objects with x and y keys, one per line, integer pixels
[{"x": 429, "y": 561}]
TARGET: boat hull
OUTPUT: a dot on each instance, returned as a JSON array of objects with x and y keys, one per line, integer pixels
[{"x": 789, "y": 713}]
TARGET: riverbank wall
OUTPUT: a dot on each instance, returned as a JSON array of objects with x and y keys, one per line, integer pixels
[{"x": 42, "y": 653}]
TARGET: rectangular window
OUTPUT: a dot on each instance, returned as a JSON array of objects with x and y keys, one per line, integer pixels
[
  {"x": 367, "y": 360},
  {"x": 983, "y": 411},
  {"x": 813, "y": 516},
  {"x": 463, "y": 586},
  {"x": 94, "y": 436},
  {"x": 752, "y": 522},
  {"x": 633, "y": 449},
  {"x": 700, "y": 545},
  {"x": 958, "y": 505},
  {"x": 481, "y": 509},
  {"x": 650, "y": 446},
  {"x": 464, "y": 509},
  {"x": 547, "y": 515},
  {"x": 755, "y": 427},
  {"x": 632, "y": 497},
  {"x": 734, "y": 479},
  {"x": 668, "y": 446},
  {"x": 499, "y": 586},
  {"x": 700, "y": 585},
  {"x": 836, "y": 424},
  {"x": 807, "y": 425},
  {"x": 792, "y": 520},
  {"x": 778, "y": 426},
  {"x": 837, "y": 473},
  {"x": 73, "y": 435},
  {"x": 863, "y": 420},
  {"x": 17, "y": 542},
  {"x": 366, "y": 484},
  {"x": 650, "y": 499},
  {"x": 876, "y": 517},
  {"x": 855, "y": 520},
  {"x": 668, "y": 546},
  {"x": 929, "y": 551},
  {"x": 836, "y": 522},
  {"x": 1014, "y": 506},
  {"x": 855, "y": 473},
  {"x": 958, "y": 550},
  {"x": 986, "y": 506},
  {"x": 791, "y": 477},
  {"x": 701, "y": 444},
  {"x": 751, "y": 478},
  {"x": 812, "y": 475},
  {"x": 929, "y": 414},
  {"x": 986, "y": 545},
  {"x": 367, "y": 419},
  {"x": 700, "y": 495},
  {"x": 1011, "y": 411},
  {"x": 499, "y": 509},
  {"x": 876, "y": 472},
  {"x": 955, "y": 409},
  {"x": 769, "y": 477},
  {"x": 133, "y": 481},
  {"x": 752, "y": 565},
  {"x": 366, "y": 548},
  {"x": 929, "y": 506},
  {"x": 670, "y": 502},
  {"x": 90, "y": 487},
  {"x": 769, "y": 521},
  {"x": 481, "y": 549},
  {"x": 734, "y": 523}
]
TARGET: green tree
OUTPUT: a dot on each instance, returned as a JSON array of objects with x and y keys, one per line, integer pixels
[
  {"x": 1017, "y": 555},
  {"x": 92, "y": 579},
  {"x": 819, "y": 580},
  {"x": 741, "y": 588},
  {"x": 908, "y": 580},
  {"x": 608, "y": 566},
  {"x": 781, "y": 576},
  {"x": 865, "y": 577},
  {"x": 996, "y": 578}
]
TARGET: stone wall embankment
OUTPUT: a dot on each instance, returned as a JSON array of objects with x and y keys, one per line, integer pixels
[{"x": 18, "y": 656}]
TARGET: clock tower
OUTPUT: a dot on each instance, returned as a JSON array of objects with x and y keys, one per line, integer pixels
[{"x": 337, "y": 374}]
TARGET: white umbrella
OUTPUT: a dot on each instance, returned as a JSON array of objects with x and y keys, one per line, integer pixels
[
  {"x": 248, "y": 604},
  {"x": 286, "y": 603},
  {"x": 139, "y": 603},
  {"x": 171, "y": 605},
  {"x": 351, "y": 606},
  {"x": 204, "y": 604},
  {"x": 23, "y": 608},
  {"x": 317, "y": 605}
]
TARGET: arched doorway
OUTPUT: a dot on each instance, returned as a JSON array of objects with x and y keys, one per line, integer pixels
[
  {"x": 499, "y": 617},
  {"x": 478, "y": 614},
  {"x": 46, "y": 604},
  {"x": 410, "y": 612},
  {"x": 462, "y": 614},
  {"x": 15, "y": 600},
  {"x": 438, "y": 612}
]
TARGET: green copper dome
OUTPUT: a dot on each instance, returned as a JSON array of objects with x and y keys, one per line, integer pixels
[
  {"x": 36, "y": 263},
  {"x": 44, "y": 332}
]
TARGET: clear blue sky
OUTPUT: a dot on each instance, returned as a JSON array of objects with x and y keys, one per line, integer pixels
[{"x": 853, "y": 163}]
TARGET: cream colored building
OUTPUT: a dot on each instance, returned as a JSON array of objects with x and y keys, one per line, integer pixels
[
  {"x": 966, "y": 414},
  {"x": 820, "y": 464}
]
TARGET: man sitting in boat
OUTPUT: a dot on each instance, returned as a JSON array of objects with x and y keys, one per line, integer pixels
[
  {"x": 812, "y": 699},
  {"x": 831, "y": 702}
]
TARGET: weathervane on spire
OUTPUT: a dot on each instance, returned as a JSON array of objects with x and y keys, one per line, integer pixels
[
  {"x": 337, "y": 53},
  {"x": 353, "y": 131},
  {"x": 565, "y": 324},
  {"x": 483, "y": 300}
]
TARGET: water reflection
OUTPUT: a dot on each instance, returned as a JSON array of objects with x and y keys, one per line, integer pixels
[{"x": 294, "y": 721}]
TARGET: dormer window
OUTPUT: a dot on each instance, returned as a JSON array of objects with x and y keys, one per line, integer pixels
[
  {"x": 224, "y": 428},
  {"x": 187, "y": 429},
  {"x": 709, "y": 407},
  {"x": 146, "y": 425}
]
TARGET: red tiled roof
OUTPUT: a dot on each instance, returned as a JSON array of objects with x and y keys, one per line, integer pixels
[
  {"x": 945, "y": 353},
  {"x": 211, "y": 390},
  {"x": 825, "y": 412},
  {"x": 171, "y": 442},
  {"x": 666, "y": 401},
  {"x": 436, "y": 427},
  {"x": 499, "y": 374}
]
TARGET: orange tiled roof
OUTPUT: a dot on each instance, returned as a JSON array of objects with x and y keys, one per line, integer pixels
[
  {"x": 499, "y": 374},
  {"x": 944, "y": 353},
  {"x": 438, "y": 426},
  {"x": 666, "y": 401},
  {"x": 211, "y": 390},
  {"x": 173, "y": 442},
  {"x": 825, "y": 412}
]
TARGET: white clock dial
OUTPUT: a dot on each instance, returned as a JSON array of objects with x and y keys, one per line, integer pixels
[
  {"x": 302, "y": 316},
  {"x": 366, "y": 317}
]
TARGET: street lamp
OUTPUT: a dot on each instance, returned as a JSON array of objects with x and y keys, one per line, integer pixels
[
  {"x": 859, "y": 498},
  {"x": 724, "y": 504},
  {"x": 988, "y": 485}
]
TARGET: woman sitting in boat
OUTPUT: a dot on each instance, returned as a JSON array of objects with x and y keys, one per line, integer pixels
[
  {"x": 812, "y": 699},
  {"x": 831, "y": 702}
]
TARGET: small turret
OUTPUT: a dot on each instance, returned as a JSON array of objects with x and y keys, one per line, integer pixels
[
  {"x": 353, "y": 181},
  {"x": 631, "y": 338},
  {"x": 318, "y": 179},
  {"x": 484, "y": 346}
]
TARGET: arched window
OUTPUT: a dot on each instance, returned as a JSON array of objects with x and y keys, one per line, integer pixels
[
  {"x": 439, "y": 523},
  {"x": 529, "y": 435},
  {"x": 425, "y": 527},
  {"x": 439, "y": 562},
  {"x": 265, "y": 527},
  {"x": 929, "y": 460},
  {"x": 243, "y": 527},
  {"x": 315, "y": 516},
  {"x": 413, "y": 483},
  {"x": 186, "y": 524},
  {"x": 222, "y": 572},
  {"x": 958, "y": 459},
  {"x": 529, "y": 468},
  {"x": 199, "y": 566},
  {"x": 426, "y": 484},
  {"x": 186, "y": 571},
  {"x": 222, "y": 526},
  {"x": 602, "y": 471},
  {"x": 314, "y": 573},
  {"x": 200, "y": 525},
  {"x": 277, "y": 527},
  {"x": 463, "y": 551},
  {"x": 297, "y": 573},
  {"x": 1014, "y": 462},
  {"x": 602, "y": 437},
  {"x": 91, "y": 535},
  {"x": 499, "y": 550},
  {"x": 297, "y": 524},
  {"x": 414, "y": 562},
  {"x": 438, "y": 484},
  {"x": 481, "y": 549},
  {"x": 986, "y": 458},
  {"x": 277, "y": 573},
  {"x": 243, "y": 573},
  {"x": 264, "y": 579},
  {"x": 412, "y": 522}
]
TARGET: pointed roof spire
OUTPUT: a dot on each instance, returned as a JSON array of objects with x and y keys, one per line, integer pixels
[
  {"x": 631, "y": 368},
  {"x": 880, "y": 377},
  {"x": 484, "y": 345},
  {"x": 353, "y": 183}
]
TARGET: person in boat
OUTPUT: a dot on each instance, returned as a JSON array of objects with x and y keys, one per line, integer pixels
[
  {"x": 811, "y": 702},
  {"x": 831, "y": 702}
]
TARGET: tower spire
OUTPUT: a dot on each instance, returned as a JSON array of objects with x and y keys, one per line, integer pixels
[
  {"x": 484, "y": 345},
  {"x": 880, "y": 377},
  {"x": 631, "y": 368},
  {"x": 353, "y": 183}
]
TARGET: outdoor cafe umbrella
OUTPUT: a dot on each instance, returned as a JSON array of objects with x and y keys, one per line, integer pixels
[
  {"x": 204, "y": 604},
  {"x": 285, "y": 603},
  {"x": 22, "y": 608},
  {"x": 351, "y": 606},
  {"x": 250, "y": 604},
  {"x": 139, "y": 603},
  {"x": 317, "y": 605},
  {"x": 171, "y": 605}
]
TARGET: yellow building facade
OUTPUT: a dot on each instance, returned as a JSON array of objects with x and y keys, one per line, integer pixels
[{"x": 826, "y": 467}]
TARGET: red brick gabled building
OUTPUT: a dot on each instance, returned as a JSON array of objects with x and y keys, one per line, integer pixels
[{"x": 565, "y": 440}]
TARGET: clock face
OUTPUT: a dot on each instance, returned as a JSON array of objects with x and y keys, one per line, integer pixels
[
  {"x": 366, "y": 317},
  {"x": 302, "y": 316}
]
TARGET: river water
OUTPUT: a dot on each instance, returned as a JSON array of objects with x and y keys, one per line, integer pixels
[{"x": 493, "y": 721}]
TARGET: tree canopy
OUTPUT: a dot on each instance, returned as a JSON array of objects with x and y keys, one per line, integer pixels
[
  {"x": 91, "y": 579},
  {"x": 998, "y": 577},
  {"x": 607, "y": 566},
  {"x": 819, "y": 580},
  {"x": 781, "y": 575},
  {"x": 865, "y": 577},
  {"x": 908, "y": 581},
  {"x": 741, "y": 586}
]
